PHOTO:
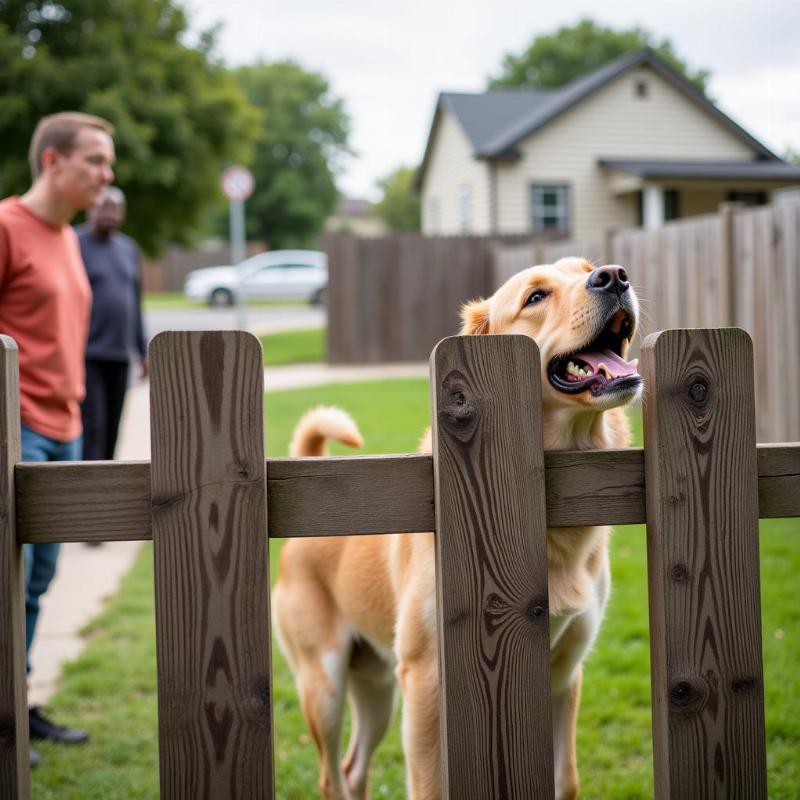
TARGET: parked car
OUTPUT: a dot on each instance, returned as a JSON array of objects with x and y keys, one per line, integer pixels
[{"x": 274, "y": 275}]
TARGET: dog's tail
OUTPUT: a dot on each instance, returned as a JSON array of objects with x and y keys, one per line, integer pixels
[{"x": 320, "y": 424}]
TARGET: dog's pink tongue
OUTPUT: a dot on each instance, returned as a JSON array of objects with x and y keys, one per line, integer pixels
[{"x": 615, "y": 366}]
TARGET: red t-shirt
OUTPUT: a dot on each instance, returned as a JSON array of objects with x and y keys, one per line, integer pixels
[{"x": 45, "y": 302}]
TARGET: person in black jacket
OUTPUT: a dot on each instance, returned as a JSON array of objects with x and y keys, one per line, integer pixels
[{"x": 116, "y": 333}]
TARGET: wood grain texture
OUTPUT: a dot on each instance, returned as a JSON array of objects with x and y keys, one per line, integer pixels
[
  {"x": 703, "y": 574},
  {"x": 14, "y": 745},
  {"x": 211, "y": 566},
  {"x": 110, "y": 501},
  {"x": 491, "y": 568}
]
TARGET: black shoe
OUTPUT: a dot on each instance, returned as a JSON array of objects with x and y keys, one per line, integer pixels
[
  {"x": 35, "y": 759},
  {"x": 43, "y": 728}
]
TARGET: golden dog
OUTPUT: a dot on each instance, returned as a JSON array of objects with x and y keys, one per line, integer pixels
[{"x": 351, "y": 613}]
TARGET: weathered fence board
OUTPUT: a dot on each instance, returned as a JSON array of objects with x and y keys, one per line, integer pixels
[
  {"x": 702, "y": 553},
  {"x": 491, "y": 558},
  {"x": 14, "y": 766},
  {"x": 211, "y": 566},
  {"x": 110, "y": 501},
  {"x": 392, "y": 298}
]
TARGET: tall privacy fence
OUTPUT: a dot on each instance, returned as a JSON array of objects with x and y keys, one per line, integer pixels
[
  {"x": 392, "y": 299},
  {"x": 210, "y": 503}
]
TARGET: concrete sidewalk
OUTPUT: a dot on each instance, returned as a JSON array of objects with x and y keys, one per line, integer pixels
[{"x": 88, "y": 576}]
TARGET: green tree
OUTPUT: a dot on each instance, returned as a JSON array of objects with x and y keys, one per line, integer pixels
[
  {"x": 179, "y": 115},
  {"x": 399, "y": 206},
  {"x": 298, "y": 153},
  {"x": 555, "y": 59}
]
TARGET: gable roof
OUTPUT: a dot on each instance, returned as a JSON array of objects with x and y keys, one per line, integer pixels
[{"x": 495, "y": 122}]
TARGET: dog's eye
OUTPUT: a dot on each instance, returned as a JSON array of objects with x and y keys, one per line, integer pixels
[{"x": 535, "y": 297}]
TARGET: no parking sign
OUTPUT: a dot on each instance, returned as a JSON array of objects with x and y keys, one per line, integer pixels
[{"x": 237, "y": 183}]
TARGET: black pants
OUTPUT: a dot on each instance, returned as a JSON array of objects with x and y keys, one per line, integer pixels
[{"x": 106, "y": 383}]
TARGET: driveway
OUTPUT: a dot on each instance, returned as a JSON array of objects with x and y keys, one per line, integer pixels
[{"x": 259, "y": 319}]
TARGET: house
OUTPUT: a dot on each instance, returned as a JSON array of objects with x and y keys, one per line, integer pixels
[
  {"x": 356, "y": 217},
  {"x": 632, "y": 143}
]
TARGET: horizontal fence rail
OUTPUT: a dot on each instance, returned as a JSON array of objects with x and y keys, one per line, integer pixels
[{"x": 110, "y": 501}]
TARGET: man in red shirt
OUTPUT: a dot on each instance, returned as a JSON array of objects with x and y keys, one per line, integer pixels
[{"x": 45, "y": 302}]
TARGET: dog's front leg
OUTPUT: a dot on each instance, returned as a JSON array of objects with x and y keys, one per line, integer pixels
[
  {"x": 565, "y": 720},
  {"x": 419, "y": 683}
]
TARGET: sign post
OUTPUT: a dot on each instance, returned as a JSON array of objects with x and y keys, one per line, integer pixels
[{"x": 237, "y": 185}]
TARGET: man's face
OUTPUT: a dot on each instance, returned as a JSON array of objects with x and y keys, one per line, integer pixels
[
  {"x": 109, "y": 213},
  {"x": 81, "y": 176}
]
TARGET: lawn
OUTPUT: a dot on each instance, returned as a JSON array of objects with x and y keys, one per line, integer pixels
[
  {"x": 162, "y": 301},
  {"x": 111, "y": 687},
  {"x": 294, "y": 347}
]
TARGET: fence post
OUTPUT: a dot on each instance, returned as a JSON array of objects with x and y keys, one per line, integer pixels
[
  {"x": 702, "y": 548},
  {"x": 728, "y": 259},
  {"x": 491, "y": 574},
  {"x": 211, "y": 566},
  {"x": 14, "y": 742}
]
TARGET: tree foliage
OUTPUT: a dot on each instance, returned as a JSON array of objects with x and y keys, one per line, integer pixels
[
  {"x": 555, "y": 59},
  {"x": 399, "y": 206},
  {"x": 179, "y": 115},
  {"x": 298, "y": 152}
]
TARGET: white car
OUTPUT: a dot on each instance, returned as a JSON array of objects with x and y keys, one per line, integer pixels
[{"x": 274, "y": 275}]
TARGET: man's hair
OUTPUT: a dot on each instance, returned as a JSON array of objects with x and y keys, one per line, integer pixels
[{"x": 60, "y": 131}]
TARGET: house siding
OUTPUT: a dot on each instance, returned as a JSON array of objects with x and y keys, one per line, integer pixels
[
  {"x": 452, "y": 167},
  {"x": 614, "y": 122}
]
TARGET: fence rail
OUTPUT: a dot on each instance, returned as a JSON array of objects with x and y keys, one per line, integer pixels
[{"x": 488, "y": 491}]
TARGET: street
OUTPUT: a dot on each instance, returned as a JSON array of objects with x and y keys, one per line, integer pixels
[{"x": 260, "y": 319}]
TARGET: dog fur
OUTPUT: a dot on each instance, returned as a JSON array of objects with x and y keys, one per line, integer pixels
[{"x": 354, "y": 613}]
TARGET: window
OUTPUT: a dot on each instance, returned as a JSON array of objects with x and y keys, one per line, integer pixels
[
  {"x": 465, "y": 207},
  {"x": 672, "y": 204},
  {"x": 640, "y": 88},
  {"x": 748, "y": 198},
  {"x": 549, "y": 208}
]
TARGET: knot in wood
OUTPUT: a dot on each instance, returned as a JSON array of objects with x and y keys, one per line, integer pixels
[
  {"x": 686, "y": 696},
  {"x": 679, "y": 573},
  {"x": 458, "y": 412},
  {"x": 745, "y": 685},
  {"x": 698, "y": 390},
  {"x": 536, "y": 610}
]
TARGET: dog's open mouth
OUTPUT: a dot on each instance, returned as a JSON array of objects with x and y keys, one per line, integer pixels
[{"x": 598, "y": 367}]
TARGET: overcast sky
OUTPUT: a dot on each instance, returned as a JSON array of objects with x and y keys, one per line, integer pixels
[{"x": 389, "y": 60}]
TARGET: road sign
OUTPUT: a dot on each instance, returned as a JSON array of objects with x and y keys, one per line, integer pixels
[{"x": 237, "y": 183}]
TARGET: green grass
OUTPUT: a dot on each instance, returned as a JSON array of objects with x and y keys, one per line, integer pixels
[
  {"x": 160, "y": 301},
  {"x": 111, "y": 687},
  {"x": 177, "y": 300},
  {"x": 294, "y": 347}
]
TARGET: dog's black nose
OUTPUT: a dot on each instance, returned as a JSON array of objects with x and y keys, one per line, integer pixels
[{"x": 610, "y": 278}]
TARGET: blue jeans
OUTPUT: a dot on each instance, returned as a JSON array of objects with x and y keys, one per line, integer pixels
[{"x": 40, "y": 559}]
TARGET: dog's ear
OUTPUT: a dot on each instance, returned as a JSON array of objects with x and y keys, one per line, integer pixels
[{"x": 475, "y": 318}]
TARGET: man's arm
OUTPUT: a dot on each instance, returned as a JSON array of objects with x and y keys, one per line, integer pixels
[{"x": 141, "y": 342}]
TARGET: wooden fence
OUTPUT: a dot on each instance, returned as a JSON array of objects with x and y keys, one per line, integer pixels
[
  {"x": 738, "y": 267},
  {"x": 392, "y": 298},
  {"x": 210, "y": 502}
]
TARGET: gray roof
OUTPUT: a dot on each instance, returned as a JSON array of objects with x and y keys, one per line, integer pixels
[
  {"x": 710, "y": 170},
  {"x": 495, "y": 122},
  {"x": 484, "y": 116}
]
